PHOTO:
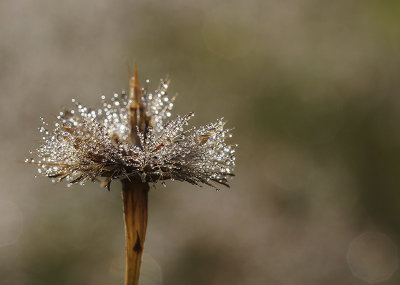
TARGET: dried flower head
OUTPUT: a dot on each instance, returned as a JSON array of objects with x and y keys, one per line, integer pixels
[{"x": 130, "y": 137}]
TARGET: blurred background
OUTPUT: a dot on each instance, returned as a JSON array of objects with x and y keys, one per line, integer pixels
[{"x": 312, "y": 90}]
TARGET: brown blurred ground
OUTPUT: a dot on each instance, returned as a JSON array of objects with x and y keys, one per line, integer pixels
[{"x": 312, "y": 89}]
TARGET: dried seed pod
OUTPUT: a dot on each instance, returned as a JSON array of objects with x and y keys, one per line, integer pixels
[{"x": 129, "y": 137}]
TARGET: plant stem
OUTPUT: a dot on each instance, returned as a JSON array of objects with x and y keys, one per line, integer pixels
[{"x": 134, "y": 196}]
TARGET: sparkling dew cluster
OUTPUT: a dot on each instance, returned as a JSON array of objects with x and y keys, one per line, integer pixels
[{"x": 96, "y": 144}]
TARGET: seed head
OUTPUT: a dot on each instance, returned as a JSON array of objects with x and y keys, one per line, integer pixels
[{"x": 131, "y": 136}]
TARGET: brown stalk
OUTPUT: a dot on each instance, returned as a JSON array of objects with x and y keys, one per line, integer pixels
[
  {"x": 138, "y": 117},
  {"x": 135, "y": 194}
]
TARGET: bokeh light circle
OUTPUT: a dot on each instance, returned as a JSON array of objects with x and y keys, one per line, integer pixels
[
  {"x": 11, "y": 223},
  {"x": 372, "y": 257}
]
